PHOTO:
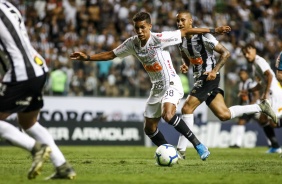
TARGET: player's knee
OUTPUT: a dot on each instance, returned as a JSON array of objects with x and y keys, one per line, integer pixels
[
  {"x": 224, "y": 116},
  {"x": 167, "y": 116},
  {"x": 186, "y": 109}
]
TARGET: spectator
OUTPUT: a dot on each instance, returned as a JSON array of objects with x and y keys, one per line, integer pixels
[{"x": 58, "y": 81}]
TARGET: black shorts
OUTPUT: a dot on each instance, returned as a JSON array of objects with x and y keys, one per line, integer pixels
[
  {"x": 23, "y": 96},
  {"x": 205, "y": 90}
]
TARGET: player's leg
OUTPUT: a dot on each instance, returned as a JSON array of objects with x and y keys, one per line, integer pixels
[
  {"x": 239, "y": 132},
  {"x": 10, "y": 95},
  {"x": 15, "y": 137},
  {"x": 270, "y": 134},
  {"x": 152, "y": 131},
  {"x": 28, "y": 121},
  {"x": 189, "y": 106},
  {"x": 169, "y": 104},
  {"x": 219, "y": 108}
]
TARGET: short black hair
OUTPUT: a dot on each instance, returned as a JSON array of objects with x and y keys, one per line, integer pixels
[
  {"x": 141, "y": 16},
  {"x": 248, "y": 45}
]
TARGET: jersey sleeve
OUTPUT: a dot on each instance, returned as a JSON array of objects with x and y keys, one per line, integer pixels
[
  {"x": 168, "y": 38},
  {"x": 125, "y": 49},
  {"x": 210, "y": 40},
  {"x": 262, "y": 64}
]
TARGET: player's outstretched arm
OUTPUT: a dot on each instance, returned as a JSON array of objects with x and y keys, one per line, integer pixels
[
  {"x": 103, "y": 56},
  {"x": 219, "y": 30}
]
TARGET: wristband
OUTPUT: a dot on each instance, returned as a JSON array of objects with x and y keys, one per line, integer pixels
[
  {"x": 88, "y": 58},
  {"x": 212, "y": 31}
]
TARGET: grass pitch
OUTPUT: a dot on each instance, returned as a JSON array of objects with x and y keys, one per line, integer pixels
[{"x": 136, "y": 165}]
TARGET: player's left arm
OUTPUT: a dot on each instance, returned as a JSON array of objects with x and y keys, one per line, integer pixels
[
  {"x": 224, "y": 55},
  {"x": 268, "y": 76},
  {"x": 218, "y": 30}
]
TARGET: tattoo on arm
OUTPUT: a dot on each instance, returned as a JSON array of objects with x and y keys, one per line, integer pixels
[{"x": 224, "y": 55}]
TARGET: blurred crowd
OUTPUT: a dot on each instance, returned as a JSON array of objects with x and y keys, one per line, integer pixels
[{"x": 60, "y": 27}]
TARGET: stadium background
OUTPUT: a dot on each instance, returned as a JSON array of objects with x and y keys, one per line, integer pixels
[{"x": 111, "y": 95}]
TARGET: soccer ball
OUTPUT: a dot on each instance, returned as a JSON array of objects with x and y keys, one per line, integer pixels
[{"x": 166, "y": 155}]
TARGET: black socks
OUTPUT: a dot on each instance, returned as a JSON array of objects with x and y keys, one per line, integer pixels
[
  {"x": 270, "y": 134},
  {"x": 157, "y": 138},
  {"x": 182, "y": 128}
]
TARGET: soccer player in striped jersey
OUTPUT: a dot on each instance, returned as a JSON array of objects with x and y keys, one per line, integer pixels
[
  {"x": 166, "y": 89},
  {"x": 21, "y": 93},
  {"x": 198, "y": 50}
]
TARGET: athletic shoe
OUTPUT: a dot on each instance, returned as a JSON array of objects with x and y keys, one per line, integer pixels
[
  {"x": 64, "y": 171},
  {"x": 181, "y": 154},
  {"x": 234, "y": 146},
  {"x": 203, "y": 151},
  {"x": 40, "y": 153},
  {"x": 266, "y": 108},
  {"x": 274, "y": 150}
]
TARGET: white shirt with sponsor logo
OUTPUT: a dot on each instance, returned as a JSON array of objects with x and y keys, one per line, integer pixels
[{"x": 155, "y": 60}]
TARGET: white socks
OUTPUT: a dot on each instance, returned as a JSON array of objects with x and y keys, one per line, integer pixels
[
  {"x": 239, "y": 110},
  {"x": 42, "y": 135},
  {"x": 183, "y": 141},
  {"x": 240, "y": 130},
  {"x": 16, "y": 137}
]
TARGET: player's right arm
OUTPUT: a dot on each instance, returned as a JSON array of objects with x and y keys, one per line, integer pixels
[
  {"x": 103, "y": 56},
  {"x": 185, "y": 63},
  {"x": 190, "y": 31}
]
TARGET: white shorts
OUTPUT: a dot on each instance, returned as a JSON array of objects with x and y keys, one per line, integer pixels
[{"x": 172, "y": 95}]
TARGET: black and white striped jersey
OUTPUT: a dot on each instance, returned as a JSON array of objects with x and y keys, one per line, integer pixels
[
  {"x": 24, "y": 62},
  {"x": 199, "y": 50},
  {"x": 247, "y": 86}
]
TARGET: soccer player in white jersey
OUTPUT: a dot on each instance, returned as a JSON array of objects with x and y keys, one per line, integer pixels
[
  {"x": 271, "y": 90},
  {"x": 198, "y": 51},
  {"x": 21, "y": 93},
  {"x": 166, "y": 89},
  {"x": 279, "y": 67}
]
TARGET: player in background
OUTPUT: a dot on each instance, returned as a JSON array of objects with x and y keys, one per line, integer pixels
[
  {"x": 248, "y": 94},
  {"x": 198, "y": 51},
  {"x": 21, "y": 93},
  {"x": 271, "y": 91},
  {"x": 166, "y": 90},
  {"x": 278, "y": 66}
]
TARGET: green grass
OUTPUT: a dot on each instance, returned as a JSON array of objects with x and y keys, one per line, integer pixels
[{"x": 136, "y": 165}]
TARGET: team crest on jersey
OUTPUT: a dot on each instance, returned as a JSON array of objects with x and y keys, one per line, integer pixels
[
  {"x": 159, "y": 35},
  {"x": 38, "y": 61}
]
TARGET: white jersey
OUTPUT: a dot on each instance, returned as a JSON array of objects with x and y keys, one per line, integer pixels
[
  {"x": 155, "y": 60},
  {"x": 259, "y": 67},
  {"x": 24, "y": 62}
]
